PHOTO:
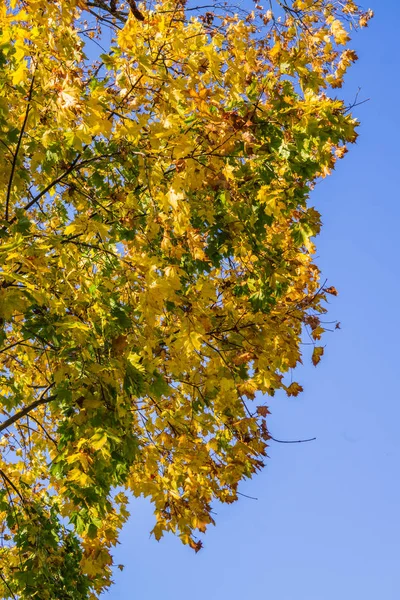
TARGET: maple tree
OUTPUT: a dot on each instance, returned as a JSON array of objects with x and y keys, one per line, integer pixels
[{"x": 156, "y": 260}]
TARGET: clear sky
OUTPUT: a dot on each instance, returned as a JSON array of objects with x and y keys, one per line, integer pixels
[{"x": 326, "y": 525}]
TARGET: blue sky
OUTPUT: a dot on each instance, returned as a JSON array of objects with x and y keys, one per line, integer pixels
[{"x": 326, "y": 523}]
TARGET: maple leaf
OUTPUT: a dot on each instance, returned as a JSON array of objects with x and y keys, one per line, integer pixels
[
  {"x": 294, "y": 389},
  {"x": 263, "y": 411},
  {"x": 317, "y": 355}
]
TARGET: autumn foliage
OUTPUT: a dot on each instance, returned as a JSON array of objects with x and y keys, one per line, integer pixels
[{"x": 156, "y": 261}]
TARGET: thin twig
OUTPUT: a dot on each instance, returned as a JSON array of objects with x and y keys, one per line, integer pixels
[
  {"x": 246, "y": 496},
  {"x": 291, "y": 441}
]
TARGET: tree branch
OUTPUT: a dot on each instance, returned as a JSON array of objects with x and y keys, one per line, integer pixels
[
  {"x": 10, "y": 483},
  {"x": 25, "y": 411},
  {"x": 15, "y": 157},
  {"x": 74, "y": 165},
  {"x": 135, "y": 11},
  {"x": 7, "y": 585}
]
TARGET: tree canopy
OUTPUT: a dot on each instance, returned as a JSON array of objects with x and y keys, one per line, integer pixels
[{"x": 156, "y": 260}]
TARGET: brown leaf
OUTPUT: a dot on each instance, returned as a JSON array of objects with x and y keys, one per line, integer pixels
[
  {"x": 331, "y": 290},
  {"x": 263, "y": 411},
  {"x": 242, "y": 358},
  {"x": 317, "y": 355},
  {"x": 264, "y": 430},
  {"x": 118, "y": 345},
  {"x": 196, "y": 545},
  {"x": 294, "y": 389},
  {"x": 313, "y": 321}
]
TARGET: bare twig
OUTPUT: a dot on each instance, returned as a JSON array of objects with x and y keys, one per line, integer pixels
[
  {"x": 246, "y": 496},
  {"x": 291, "y": 441}
]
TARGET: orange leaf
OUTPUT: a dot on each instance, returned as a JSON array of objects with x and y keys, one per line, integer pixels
[{"x": 331, "y": 290}]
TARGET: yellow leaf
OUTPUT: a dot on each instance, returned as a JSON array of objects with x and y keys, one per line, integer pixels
[
  {"x": 17, "y": 241},
  {"x": 196, "y": 339},
  {"x": 79, "y": 477},
  {"x": 339, "y": 33},
  {"x": 92, "y": 403},
  {"x": 98, "y": 440},
  {"x": 20, "y": 74}
]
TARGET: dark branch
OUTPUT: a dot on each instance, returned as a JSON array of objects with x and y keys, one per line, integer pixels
[
  {"x": 74, "y": 165},
  {"x": 15, "y": 157},
  {"x": 10, "y": 483},
  {"x": 7, "y": 585},
  {"x": 135, "y": 11},
  {"x": 25, "y": 411}
]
